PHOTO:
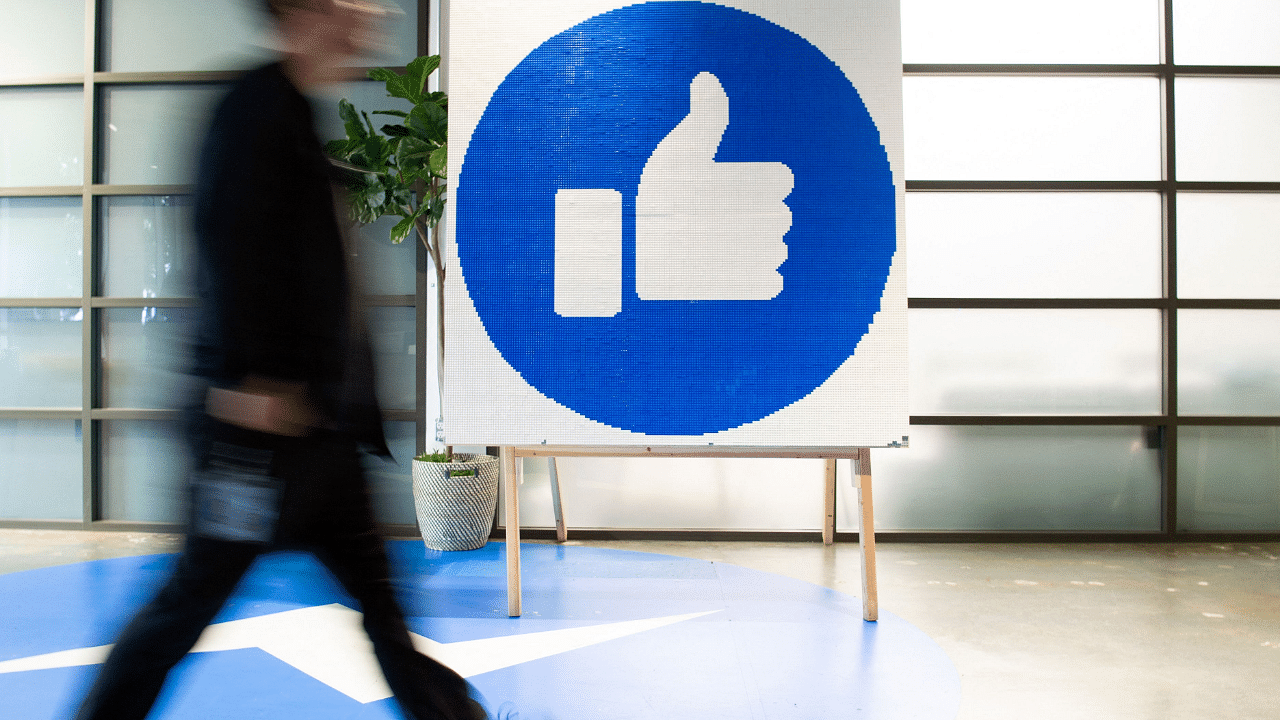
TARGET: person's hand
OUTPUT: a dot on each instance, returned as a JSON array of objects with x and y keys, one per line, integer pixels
[{"x": 278, "y": 407}]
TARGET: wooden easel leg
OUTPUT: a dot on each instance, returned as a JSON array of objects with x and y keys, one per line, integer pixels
[
  {"x": 511, "y": 482},
  {"x": 866, "y": 535},
  {"x": 562, "y": 532},
  {"x": 829, "y": 502}
]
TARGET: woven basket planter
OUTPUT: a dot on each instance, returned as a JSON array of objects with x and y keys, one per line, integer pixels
[{"x": 455, "y": 512}]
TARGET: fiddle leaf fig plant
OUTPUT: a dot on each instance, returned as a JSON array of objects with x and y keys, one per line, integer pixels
[{"x": 400, "y": 168}]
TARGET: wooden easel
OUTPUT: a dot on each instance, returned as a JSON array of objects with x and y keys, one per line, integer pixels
[{"x": 860, "y": 459}]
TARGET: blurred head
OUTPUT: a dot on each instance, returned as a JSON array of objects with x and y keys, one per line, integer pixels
[{"x": 320, "y": 36}]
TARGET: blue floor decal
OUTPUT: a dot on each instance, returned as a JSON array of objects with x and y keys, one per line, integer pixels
[{"x": 606, "y": 635}]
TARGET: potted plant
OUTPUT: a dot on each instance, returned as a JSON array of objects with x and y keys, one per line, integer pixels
[{"x": 400, "y": 170}]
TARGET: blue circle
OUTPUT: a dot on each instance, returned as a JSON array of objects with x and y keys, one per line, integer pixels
[
  {"x": 586, "y": 110},
  {"x": 761, "y": 644}
]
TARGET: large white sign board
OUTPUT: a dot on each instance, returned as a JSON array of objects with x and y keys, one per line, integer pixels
[{"x": 675, "y": 223}]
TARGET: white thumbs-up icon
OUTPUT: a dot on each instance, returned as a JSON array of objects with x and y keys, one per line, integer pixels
[{"x": 705, "y": 230}]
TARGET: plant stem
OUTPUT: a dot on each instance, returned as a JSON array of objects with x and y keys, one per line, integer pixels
[{"x": 425, "y": 233}]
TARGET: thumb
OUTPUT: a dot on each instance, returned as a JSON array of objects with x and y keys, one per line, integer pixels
[{"x": 698, "y": 135}]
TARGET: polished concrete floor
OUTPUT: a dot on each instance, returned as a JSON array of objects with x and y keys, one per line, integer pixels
[{"x": 1114, "y": 631}]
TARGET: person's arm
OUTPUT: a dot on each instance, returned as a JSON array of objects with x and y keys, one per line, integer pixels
[{"x": 278, "y": 407}]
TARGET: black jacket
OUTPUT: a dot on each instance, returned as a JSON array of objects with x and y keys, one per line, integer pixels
[{"x": 272, "y": 276}]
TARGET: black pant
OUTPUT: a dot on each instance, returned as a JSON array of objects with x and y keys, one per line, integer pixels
[{"x": 325, "y": 510}]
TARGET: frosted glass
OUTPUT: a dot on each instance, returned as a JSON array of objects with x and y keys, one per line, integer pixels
[
  {"x": 1063, "y": 478},
  {"x": 144, "y": 471},
  {"x": 153, "y": 35},
  {"x": 157, "y": 35},
  {"x": 676, "y": 493},
  {"x": 41, "y": 477},
  {"x": 1226, "y": 129},
  {"x": 1229, "y": 362},
  {"x": 145, "y": 465},
  {"x": 1228, "y": 245},
  {"x": 386, "y": 269},
  {"x": 1017, "y": 31},
  {"x": 147, "y": 246},
  {"x": 1034, "y": 245},
  {"x": 1229, "y": 479},
  {"x": 1031, "y": 128},
  {"x": 144, "y": 357},
  {"x": 41, "y": 247},
  {"x": 41, "y": 136},
  {"x": 391, "y": 480},
  {"x": 58, "y": 47},
  {"x": 393, "y": 334},
  {"x": 40, "y": 357},
  {"x": 1226, "y": 32},
  {"x": 1034, "y": 361},
  {"x": 152, "y": 133},
  {"x": 401, "y": 36}
]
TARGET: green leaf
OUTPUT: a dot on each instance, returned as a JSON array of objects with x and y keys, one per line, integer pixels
[
  {"x": 414, "y": 149},
  {"x": 395, "y": 130},
  {"x": 431, "y": 123},
  {"x": 397, "y": 113},
  {"x": 416, "y": 73},
  {"x": 439, "y": 161},
  {"x": 401, "y": 230},
  {"x": 395, "y": 83},
  {"x": 337, "y": 148},
  {"x": 373, "y": 154},
  {"x": 351, "y": 120}
]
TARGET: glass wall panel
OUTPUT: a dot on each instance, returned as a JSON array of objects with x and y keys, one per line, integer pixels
[
  {"x": 1053, "y": 478},
  {"x": 1227, "y": 130},
  {"x": 1032, "y": 245},
  {"x": 391, "y": 480},
  {"x": 1229, "y": 362},
  {"x": 1228, "y": 479},
  {"x": 1226, "y": 32},
  {"x": 41, "y": 136},
  {"x": 156, "y": 35},
  {"x": 1228, "y": 245},
  {"x": 1032, "y": 128},
  {"x": 392, "y": 331},
  {"x": 58, "y": 47},
  {"x": 1017, "y": 31},
  {"x": 151, "y": 35},
  {"x": 400, "y": 35},
  {"x": 153, "y": 132},
  {"x": 144, "y": 469},
  {"x": 41, "y": 477},
  {"x": 1091, "y": 362},
  {"x": 676, "y": 493},
  {"x": 40, "y": 357},
  {"x": 41, "y": 247},
  {"x": 147, "y": 246},
  {"x": 144, "y": 357},
  {"x": 386, "y": 269}
]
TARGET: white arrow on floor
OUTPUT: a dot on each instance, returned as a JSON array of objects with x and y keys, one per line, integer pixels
[{"x": 328, "y": 643}]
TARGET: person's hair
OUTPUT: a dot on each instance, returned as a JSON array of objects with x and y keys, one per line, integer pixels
[{"x": 277, "y": 8}]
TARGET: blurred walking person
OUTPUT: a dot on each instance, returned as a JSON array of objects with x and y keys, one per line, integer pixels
[{"x": 290, "y": 398}]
